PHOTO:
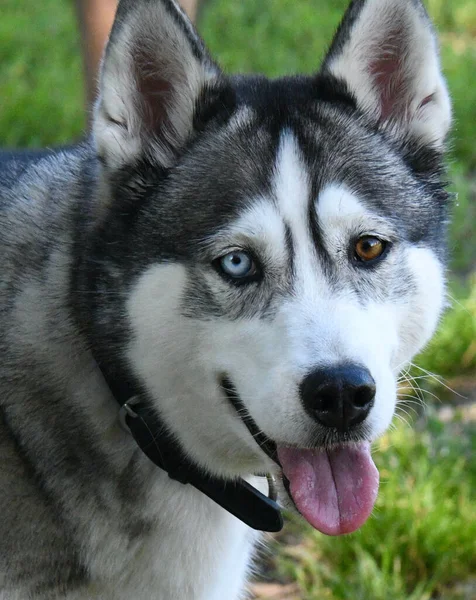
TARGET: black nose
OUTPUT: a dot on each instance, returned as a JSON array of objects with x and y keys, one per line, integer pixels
[{"x": 339, "y": 396}]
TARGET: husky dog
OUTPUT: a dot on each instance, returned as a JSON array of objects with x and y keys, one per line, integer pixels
[{"x": 244, "y": 265}]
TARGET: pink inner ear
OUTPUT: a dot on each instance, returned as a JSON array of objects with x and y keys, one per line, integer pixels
[
  {"x": 388, "y": 74},
  {"x": 154, "y": 89}
]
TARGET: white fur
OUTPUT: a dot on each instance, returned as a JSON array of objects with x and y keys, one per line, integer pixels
[
  {"x": 291, "y": 188},
  {"x": 417, "y": 322},
  {"x": 340, "y": 214},
  {"x": 203, "y": 555}
]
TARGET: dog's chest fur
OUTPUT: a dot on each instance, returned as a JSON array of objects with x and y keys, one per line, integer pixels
[{"x": 205, "y": 555}]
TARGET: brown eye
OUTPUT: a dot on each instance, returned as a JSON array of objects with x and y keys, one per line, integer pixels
[{"x": 369, "y": 248}]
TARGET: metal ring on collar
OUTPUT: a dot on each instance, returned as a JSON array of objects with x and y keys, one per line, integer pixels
[
  {"x": 272, "y": 488},
  {"x": 125, "y": 411}
]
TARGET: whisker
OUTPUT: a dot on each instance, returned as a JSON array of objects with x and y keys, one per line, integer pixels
[
  {"x": 402, "y": 419},
  {"x": 460, "y": 304},
  {"x": 439, "y": 381},
  {"x": 412, "y": 410},
  {"x": 409, "y": 379}
]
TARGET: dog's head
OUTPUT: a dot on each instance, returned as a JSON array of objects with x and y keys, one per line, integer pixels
[{"x": 271, "y": 252}]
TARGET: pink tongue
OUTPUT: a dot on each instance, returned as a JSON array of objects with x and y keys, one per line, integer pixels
[{"x": 334, "y": 490}]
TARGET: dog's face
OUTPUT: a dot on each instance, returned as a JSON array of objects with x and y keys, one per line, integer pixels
[{"x": 283, "y": 253}]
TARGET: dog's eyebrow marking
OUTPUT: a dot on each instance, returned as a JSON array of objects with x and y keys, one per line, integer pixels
[
  {"x": 340, "y": 214},
  {"x": 260, "y": 222},
  {"x": 338, "y": 204}
]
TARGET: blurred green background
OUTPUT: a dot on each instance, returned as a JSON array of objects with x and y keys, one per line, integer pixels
[{"x": 421, "y": 541}]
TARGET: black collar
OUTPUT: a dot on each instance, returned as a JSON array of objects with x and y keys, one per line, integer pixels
[{"x": 152, "y": 436}]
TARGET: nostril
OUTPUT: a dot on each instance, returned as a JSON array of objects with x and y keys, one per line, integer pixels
[{"x": 363, "y": 396}]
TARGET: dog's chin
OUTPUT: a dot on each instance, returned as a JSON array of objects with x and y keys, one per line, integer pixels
[{"x": 332, "y": 482}]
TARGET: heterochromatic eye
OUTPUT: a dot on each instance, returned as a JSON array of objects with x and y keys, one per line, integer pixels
[
  {"x": 237, "y": 264},
  {"x": 368, "y": 248}
]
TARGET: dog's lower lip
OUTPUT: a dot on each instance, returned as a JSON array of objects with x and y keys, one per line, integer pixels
[{"x": 264, "y": 442}]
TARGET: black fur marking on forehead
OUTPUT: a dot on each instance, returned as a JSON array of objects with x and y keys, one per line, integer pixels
[
  {"x": 216, "y": 104},
  {"x": 318, "y": 241},
  {"x": 291, "y": 251},
  {"x": 279, "y": 101}
]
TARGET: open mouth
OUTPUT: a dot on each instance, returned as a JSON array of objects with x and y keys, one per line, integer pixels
[{"x": 334, "y": 489}]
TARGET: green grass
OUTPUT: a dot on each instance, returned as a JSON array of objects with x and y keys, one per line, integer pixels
[
  {"x": 421, "y": 540},
  {"x": 41, "y": 98}
]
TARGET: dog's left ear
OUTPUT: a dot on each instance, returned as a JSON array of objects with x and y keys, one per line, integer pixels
[
  {"x": 154, "y": 72},
  {"x": 387, "y": 54}
]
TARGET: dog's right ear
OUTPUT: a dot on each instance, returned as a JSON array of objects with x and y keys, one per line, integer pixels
[
  {"x": 386, "y": 53},
  {"x": 154, "y": 71}
]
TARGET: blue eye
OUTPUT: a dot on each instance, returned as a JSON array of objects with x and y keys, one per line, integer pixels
[{"x": 237, "y": 264}]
